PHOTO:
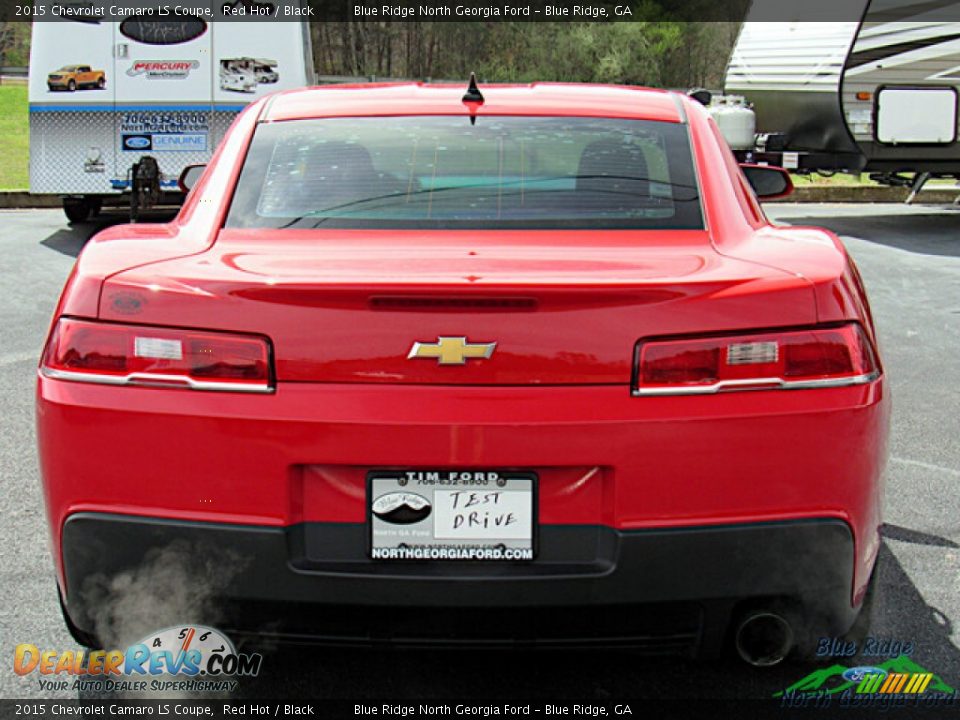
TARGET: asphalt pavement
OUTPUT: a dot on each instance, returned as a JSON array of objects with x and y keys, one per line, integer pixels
[{"x": 910, "y": 261}]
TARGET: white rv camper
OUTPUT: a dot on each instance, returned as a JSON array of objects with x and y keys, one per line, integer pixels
[
  {"x": 105, "y": 95},
  {"x": 880, "y": 95}
]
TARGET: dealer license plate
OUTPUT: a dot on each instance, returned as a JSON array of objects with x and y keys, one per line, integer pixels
[{"x": 452, "y": 514}]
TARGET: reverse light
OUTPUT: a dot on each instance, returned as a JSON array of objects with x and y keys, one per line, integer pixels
[
  {"x": 113, "y": 354},
  {"x": 798, "y": 359}
]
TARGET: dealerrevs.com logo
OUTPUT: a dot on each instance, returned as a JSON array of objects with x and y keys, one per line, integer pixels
[
  {"x": 177, "y": 659},
  {"x": 163, "y": 69}
]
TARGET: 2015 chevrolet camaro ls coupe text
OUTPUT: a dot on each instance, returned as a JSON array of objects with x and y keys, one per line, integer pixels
[{"x": 523, "y": 365}]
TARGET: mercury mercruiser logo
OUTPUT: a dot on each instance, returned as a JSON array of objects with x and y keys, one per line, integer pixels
[{"x": 163, "y": 69}]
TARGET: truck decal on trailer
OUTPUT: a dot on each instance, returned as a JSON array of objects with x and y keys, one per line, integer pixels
[{"x": 76, "y": 77}]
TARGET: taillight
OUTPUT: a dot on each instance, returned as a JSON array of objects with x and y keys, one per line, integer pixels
[
  {"x": 818, "y": 357},
  {"x": 140, "y": 355}
]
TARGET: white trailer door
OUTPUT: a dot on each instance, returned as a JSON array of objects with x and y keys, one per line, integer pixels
[
  {"x": 72, "y": 138},
  {"x": 164, "y": 93}
]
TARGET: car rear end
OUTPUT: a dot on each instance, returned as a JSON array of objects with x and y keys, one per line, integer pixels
[{"x": 494, "y": 388}]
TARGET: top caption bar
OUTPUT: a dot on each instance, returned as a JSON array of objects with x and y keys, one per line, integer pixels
[{"x": 94, "y": 11}]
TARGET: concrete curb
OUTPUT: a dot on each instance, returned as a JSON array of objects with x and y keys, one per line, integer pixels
[
  {"x": 21, "y": 199},
  {"x": 10, "y": 199}
]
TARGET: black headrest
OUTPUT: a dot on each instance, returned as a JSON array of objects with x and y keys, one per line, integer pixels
[
  {"x": 613, "y": 165},
  {"x": 341, "y": 159}
]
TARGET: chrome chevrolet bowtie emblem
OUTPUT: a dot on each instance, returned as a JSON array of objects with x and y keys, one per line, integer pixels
[{"x": 451, "y": 350}]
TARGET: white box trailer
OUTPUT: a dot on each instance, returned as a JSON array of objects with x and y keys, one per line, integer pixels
[
  {"x": 106, "y": 94},
  {"x": 879, "y": 95}
]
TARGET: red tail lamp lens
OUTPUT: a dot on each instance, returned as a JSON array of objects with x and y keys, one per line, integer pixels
[
  {"x": 142, "y": 355},
  {"x": 802, "y": 358}
]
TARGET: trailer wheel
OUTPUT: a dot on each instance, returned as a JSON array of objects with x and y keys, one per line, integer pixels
[
  {"x": 76, "y": 209},
  {"x": 71, "y": 86}
]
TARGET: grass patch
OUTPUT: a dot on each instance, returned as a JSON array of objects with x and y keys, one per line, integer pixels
[
  {"x": 14, "y": 138},
  {"x": 838, "y": 179},
  {"x": 862, "y": 180}
]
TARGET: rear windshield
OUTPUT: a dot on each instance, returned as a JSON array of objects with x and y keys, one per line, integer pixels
[{"x": 442, "y": 172}]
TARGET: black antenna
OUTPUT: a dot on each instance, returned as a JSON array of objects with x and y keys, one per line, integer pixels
[{"x": 473, "y": 94}]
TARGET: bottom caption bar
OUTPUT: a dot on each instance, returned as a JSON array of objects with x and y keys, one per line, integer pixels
[{"x": 661, "y": 709}]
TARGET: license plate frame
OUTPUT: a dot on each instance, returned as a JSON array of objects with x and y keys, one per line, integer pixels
[{"x": 428, "y": 483}]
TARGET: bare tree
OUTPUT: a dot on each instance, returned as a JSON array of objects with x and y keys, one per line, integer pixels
[
  {"x": 7, "y": 39},
  {"x": 674, "y": 54}
]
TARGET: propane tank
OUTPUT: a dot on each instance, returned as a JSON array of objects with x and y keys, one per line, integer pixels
[{"x": 737, "y": 122}]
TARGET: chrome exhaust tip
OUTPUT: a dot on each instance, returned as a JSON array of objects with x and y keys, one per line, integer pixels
[{"x": 763, "y": 638}]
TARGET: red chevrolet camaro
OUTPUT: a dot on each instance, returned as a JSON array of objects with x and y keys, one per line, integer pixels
[{"x": 522, "y": 365}]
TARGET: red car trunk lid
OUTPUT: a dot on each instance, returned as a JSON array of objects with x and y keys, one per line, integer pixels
[{"x": 560, "y": 307}]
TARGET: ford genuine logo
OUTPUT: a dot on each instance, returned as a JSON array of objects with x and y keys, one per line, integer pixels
[
  {"x": 137, "y": 143},
  {"x": 401, "y": 508},
  {"x": 856, "y": 674}
]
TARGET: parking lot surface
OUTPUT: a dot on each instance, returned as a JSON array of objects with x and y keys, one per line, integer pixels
[{"x": 910, "y": 260}]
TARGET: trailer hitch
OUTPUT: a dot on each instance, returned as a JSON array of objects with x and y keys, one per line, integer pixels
[{"x": 145, "y": 179}]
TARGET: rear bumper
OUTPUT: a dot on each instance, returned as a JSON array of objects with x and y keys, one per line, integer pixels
[
  {"x": 672, "y": 590},
  {"x": 641, "y": 501}
]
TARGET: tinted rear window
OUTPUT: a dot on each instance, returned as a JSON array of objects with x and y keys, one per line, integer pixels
[{"x": 443, "y": 172}]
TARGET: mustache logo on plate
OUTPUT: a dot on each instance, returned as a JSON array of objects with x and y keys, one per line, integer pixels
[{"x": 401, "y": 508}]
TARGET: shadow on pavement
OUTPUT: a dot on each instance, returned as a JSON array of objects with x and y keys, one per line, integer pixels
[
  {"x": 70, "y": 239},
  {"x": 934, "y": 234},
  {"x": 899, "y": 613},
  {"x": 895, "y": 532}
]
